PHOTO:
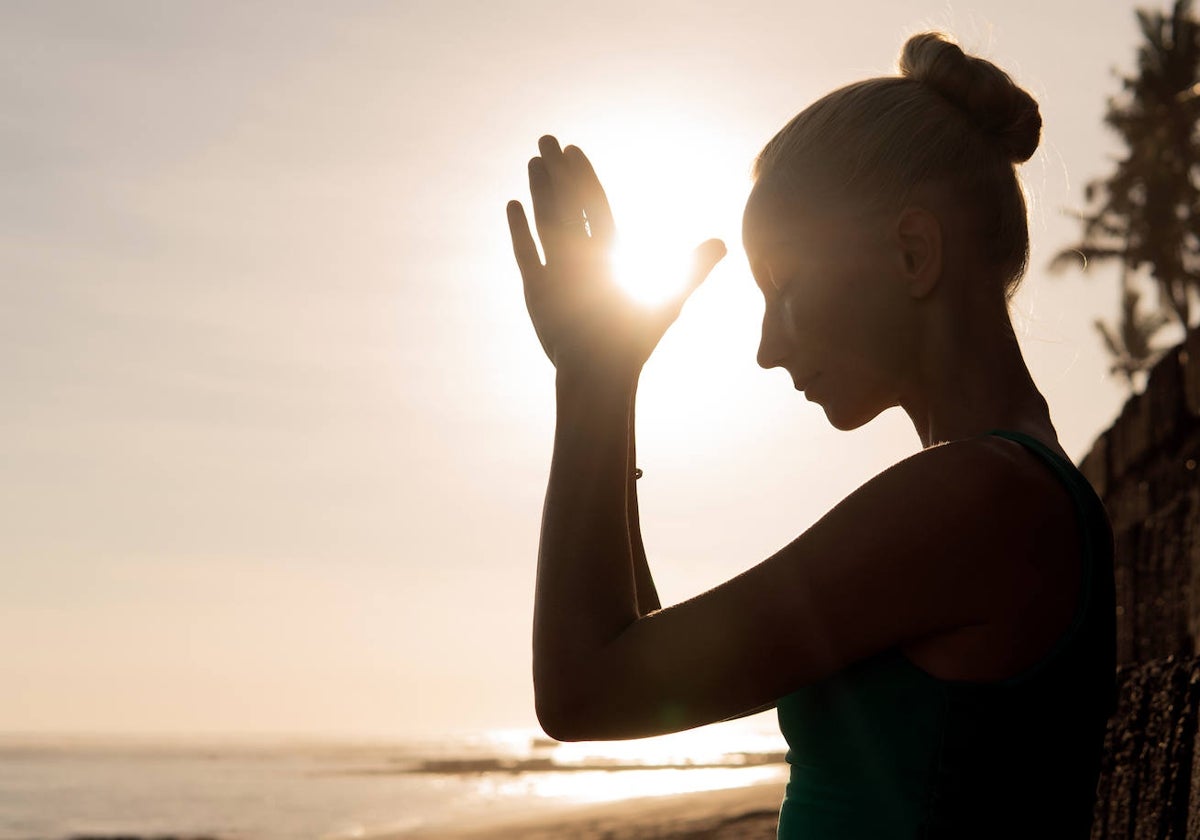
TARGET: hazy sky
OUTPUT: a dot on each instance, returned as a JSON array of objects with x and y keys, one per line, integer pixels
[{"x": 275, "y": 428}]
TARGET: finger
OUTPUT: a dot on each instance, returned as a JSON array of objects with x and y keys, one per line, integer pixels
[
  {"x": 568, "y": 204},
  {"x": 545, "y": 208},
  {"x": 524, "y": 248},
  {"x": 704, "y": 259},
  {"x": 561, "y": 234},
  {"x": 591, "y": 194},
  {"x": 549, "y": 149}
]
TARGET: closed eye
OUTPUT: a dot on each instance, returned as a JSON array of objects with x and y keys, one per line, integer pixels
[
  {"x": 771, "y": 279},
  {"x": 782, "y": 285}
]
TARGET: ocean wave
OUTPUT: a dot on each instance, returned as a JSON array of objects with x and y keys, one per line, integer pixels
[{"x": 542, "y": 764}]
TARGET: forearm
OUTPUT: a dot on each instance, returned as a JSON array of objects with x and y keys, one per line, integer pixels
[
  {"x": 585, "y": 593},
  {"x": 647, "y": 593}
]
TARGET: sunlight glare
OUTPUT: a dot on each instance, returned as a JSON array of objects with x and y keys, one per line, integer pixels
[
  {"x": 706, "y": 758},
  {"x": 665, "y": 205},
  {"x": 603, "y": 786},
  {"x": 674, "y": 179},
  {"x": 649, "y": 272}
]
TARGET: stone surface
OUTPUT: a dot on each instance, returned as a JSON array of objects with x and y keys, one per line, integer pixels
[
  {"x": 1150, "y": 756},
  {"x": 1191, "y": 372},
  {"x": 1165, "y": 399},
  {"x": 1146, "y": 468},
  {"x": 1094, "y": 465}
]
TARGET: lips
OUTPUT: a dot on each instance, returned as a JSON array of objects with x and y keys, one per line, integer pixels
[{"x": 802, "y": 383}]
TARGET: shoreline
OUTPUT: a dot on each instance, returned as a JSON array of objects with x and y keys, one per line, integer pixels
[{"x": 750, "y": 813}]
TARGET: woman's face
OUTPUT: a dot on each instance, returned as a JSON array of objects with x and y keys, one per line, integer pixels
[{"x": 834, "y": 317}]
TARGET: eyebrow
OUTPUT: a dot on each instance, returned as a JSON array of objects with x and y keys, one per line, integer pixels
[{"x": 774, "y": 248}]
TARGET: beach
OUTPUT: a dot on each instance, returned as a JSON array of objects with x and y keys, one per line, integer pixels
[
  {"x": 721, "y": 781},
  {"x": 747, "y": 813}
]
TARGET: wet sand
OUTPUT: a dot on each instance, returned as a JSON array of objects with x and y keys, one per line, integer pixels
[{"x": 748, "y": 813}]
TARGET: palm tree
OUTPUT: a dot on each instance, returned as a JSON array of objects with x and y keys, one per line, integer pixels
[
  {"x": 1129, "y": 343},
  {"x": 1144, "y": 214}
]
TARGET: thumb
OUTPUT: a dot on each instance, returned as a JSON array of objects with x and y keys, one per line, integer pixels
[
  {"x": 704, "y": 258},
  {"x": 707, "y": 255}
]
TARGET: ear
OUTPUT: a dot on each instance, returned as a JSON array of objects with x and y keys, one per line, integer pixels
[{"x": 918, "y": 236}]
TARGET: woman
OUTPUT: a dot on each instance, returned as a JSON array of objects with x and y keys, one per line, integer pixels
[{"x": 940, "y": 646}]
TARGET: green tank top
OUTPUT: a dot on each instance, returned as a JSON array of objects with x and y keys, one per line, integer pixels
[{"x": 883, "y": 749}]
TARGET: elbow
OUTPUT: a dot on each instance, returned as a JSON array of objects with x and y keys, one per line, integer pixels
[
  {"x": 562, "y": 713},
  {"x": 558, "y": 729},
  {"x": 558, "y": 722}
]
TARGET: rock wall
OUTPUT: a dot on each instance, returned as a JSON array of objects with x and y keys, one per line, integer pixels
[
  {"x": 1146, "y": 467},
  {"x": 1149, "y": 787}
]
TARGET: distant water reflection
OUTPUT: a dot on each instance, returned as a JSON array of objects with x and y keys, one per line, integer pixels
[{"x": 98, "y": 789}]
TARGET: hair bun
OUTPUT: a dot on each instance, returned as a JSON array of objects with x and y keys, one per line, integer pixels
[{"x": 981, "y": 89}]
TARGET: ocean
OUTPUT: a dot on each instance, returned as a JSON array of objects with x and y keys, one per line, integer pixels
[{"x": 55, "y": 788}]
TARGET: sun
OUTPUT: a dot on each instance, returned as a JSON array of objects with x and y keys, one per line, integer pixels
[
  {"x": 673, "y": 180},
  {"x": 687, "y": 185},
  {"x": 651, "y": 270}
]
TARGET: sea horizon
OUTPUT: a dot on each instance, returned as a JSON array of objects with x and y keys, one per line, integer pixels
[{"x": 275, "y": 786}]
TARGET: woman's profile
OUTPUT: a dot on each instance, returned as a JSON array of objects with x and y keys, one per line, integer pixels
[{"x": 940, "y": 646}]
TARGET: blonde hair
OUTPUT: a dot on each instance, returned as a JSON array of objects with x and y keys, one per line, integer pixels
[{"x": 948, "y": 118}]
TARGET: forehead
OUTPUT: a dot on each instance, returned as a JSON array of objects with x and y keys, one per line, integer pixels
[
  {"x": 763, "y": 216},
  {"x": 775, "y": 224}
]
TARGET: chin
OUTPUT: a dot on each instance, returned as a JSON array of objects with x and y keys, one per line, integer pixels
[
  {"x": 848, "y": 418},
  {"x": 843, "y": 424}
]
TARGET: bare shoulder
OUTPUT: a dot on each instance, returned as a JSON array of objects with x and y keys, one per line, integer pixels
[
  {"x": 986, "y": 483},
  {"x": 1043, "y": 511},
  {"x": 994, "y": 495},
  {"x": 949, "y": 538},
  {"x": 1033, "y": 586}
]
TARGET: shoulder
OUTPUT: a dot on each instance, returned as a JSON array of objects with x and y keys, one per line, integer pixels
[
  {"x": 1010, "y": 478},
  {"x": 988, "y": 495},
  {"x": 947, "y": 538},
  {"x": 972, "y": 486},
  {"x": 992, "y": 516}
]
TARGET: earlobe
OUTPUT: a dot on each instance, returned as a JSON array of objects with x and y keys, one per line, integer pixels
[{"x": 919, "y": 236}]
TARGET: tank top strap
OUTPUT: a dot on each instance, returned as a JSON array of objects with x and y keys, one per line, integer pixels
[{"x": 1089, "y": 511}]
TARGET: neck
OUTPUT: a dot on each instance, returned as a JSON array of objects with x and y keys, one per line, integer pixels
[{"x": 971, "y": 378}]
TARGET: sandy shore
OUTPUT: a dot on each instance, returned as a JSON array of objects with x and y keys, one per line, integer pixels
[{"x": 747, "y": 813}]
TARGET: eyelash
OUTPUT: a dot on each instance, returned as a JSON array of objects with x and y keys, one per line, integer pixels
[{"x": 780, "y": 289}]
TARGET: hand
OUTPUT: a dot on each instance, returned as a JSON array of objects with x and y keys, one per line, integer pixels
[{"x": 586, "y": 324}]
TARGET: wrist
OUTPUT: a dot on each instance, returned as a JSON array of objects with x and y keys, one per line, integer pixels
[{"x": 590, "y": 383}]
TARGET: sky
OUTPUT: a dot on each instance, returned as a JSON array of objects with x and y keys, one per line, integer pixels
[{"x": 275, "y": 428}]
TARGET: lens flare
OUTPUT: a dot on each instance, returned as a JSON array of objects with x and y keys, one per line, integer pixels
[{"x": 650, "y": 273}]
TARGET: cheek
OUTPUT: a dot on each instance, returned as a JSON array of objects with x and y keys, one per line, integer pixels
[
  {"x": 791, "y": 323},
  {"x": 817, "y": 313}
]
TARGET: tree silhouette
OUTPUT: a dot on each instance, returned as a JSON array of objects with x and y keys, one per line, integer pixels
[
  {"x": 1129, "y": 343},
  {"x": 1144, "y": 214}
]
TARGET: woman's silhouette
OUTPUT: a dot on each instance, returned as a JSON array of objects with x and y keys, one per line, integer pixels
[{"x": 940, "y": 645}]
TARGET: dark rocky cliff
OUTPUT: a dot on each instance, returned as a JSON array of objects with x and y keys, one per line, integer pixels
[{"x": 1146, "y": 467}]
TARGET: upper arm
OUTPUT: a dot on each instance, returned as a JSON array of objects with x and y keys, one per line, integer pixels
[{"x": 928, "y": 546}]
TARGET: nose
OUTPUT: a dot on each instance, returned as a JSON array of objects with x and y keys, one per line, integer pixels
[{"x": 771, "y": 347}]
